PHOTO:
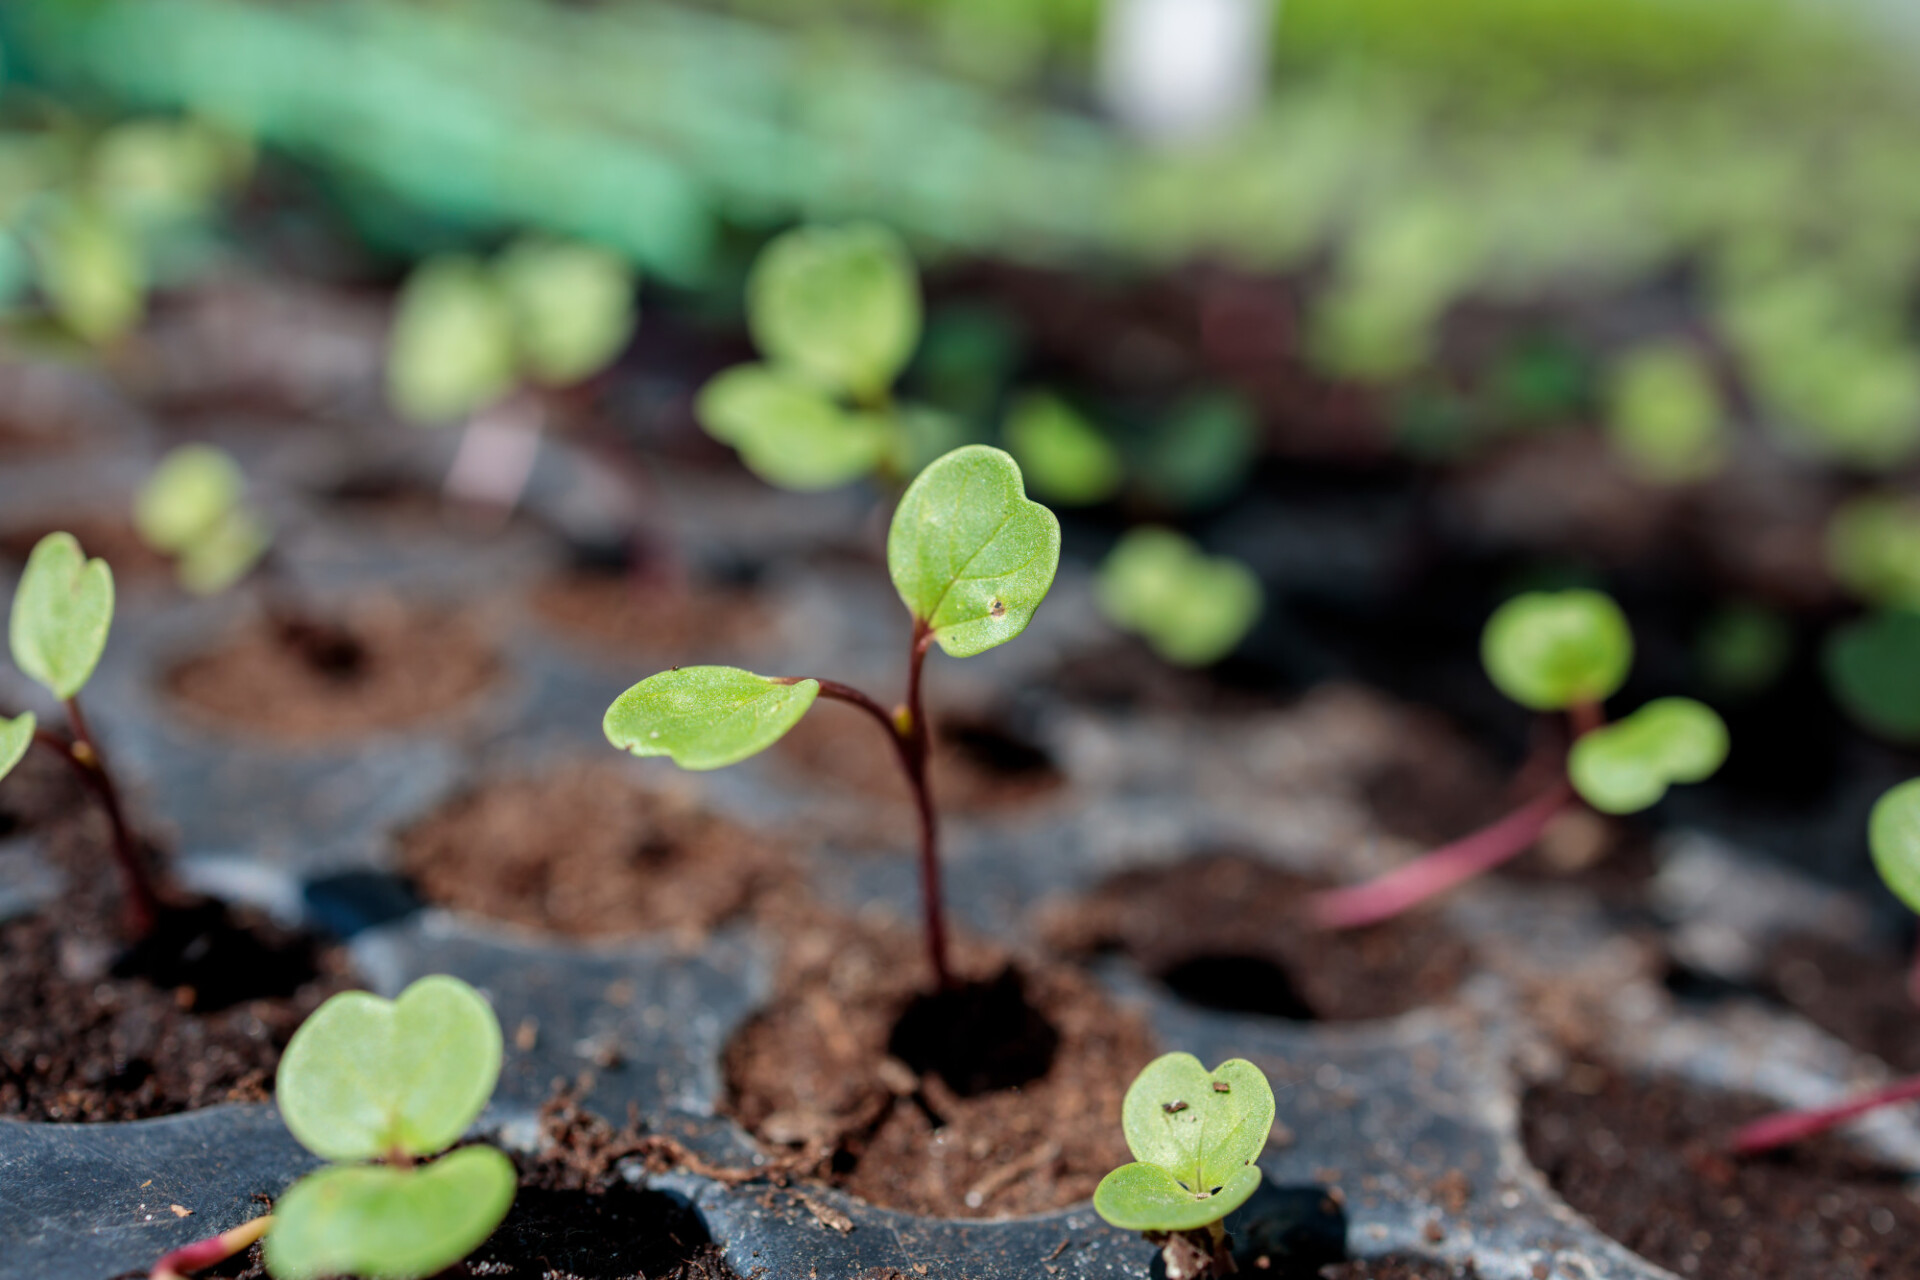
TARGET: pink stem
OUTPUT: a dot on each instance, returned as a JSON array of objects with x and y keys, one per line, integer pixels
[
  {"x": 204, "y": 1253},
  {"x": 1436, "y": 872},
  {"x": 1783, "y": 1127}
]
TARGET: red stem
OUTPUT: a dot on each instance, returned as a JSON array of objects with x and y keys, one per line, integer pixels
[
  {"x": 1784, "y": 1127},
  {"x": 1436, "y": 872},
  {"x": 83, "y": 756},
  {"x": 204, "y": 1253}
]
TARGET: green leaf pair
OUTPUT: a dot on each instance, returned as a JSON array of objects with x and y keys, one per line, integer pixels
[
  {"x": 1195, "y": 1135},
  {"x": 366, "y": 1079},
  {"x": 1627, "y": 766},
  {"x": 1192, "y": 608},
  {"x": 467, "y": 332},
  {"x": 192, "y": 510},
  {"x": 836, "y": 313},
  {"x": 971, "y": 557}
]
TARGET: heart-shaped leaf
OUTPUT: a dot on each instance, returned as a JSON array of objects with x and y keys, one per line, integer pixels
[
  {"x": 839, "y": 306},
  {"x": 1195, "y": 1134},
  {"x": 1627, "y": 766},
  {"x": 1894, "y": 833},
  {"x": 16, "y": 735},
  {"x": 390, "y": 1224},
  {"x": 61, "y": 613},
  {"x": 189, "y": 494},
  {"x": 1549, "y": 650},
  {"x": 706, "y": 717},
  {"x": 572, "y": 307},
  {"x": 1194, "y": 609},
  {"x": 364, "y": 1076},
  {"x": 789, "y": 433},
  {"x": 451, "y": 352},
  {"x": 971, "y": 556}
]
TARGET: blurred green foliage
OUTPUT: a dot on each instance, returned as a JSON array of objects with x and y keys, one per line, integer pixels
[{"x": 1192, "y": 609}]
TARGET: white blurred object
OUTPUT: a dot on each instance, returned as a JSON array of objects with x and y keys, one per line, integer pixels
[
  {"x": 1182, "y": 71},
  {"x": 495, "y": 457}
]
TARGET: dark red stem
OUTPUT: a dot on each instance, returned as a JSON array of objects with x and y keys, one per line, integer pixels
[
  {"x": 907, "y": 730},
  {"x": 1436, "y": 872},
  {"x": 83, "y": 754},
  {"x": 205, "y": 1253},
  {"x": 1784, "y": 1127}
]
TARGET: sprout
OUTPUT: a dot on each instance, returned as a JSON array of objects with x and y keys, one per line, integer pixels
[
  {"x": 1664, "y": 413},
  {"x": 1064, "y": 456},
  {"x": 90, "y": 270},
  {"x": 971, "y": 557},
  {"x": 369, "y": 1080},
  {"x": 451, "y": 353},
  {"x": 1556, "y": 651},
  {"x": 1195, "y": 1136},
  {"x": 191, "y": 509},
  {"x": 1192, "y": 608},
  {"x": 1869, "y": 666}
]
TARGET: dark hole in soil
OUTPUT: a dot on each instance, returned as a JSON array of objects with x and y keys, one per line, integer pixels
[
  {"x": 1237, "y": 984},
  {"x": 327, "y": 648},
  {"x": 222, "y": 961},
  {"x": 614, "y": 1234},
  {"x": 979, "y": 1037},
  {"x": 994, "y": 750}
]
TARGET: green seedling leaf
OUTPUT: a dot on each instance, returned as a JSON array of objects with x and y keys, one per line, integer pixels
[
  {"x": 838, "y": 306},
  {"x": 364, "y": 1077},
  {"x": 1549, "y": 650},
  {"x": 789, "y": 433},
  {"x": 1894, "y": 834},
  {"x": 452, "y": 348},
  {"x": 1664, "y": 414},
  {"x": 1202, "y": 451},
  {"x": 706, "y": 717},
  {"x": 61, "y": 613},
  {"x": 971, "y": 556},
  {"x": 390, "y": 1224},
  {"x": 224, "y": 554},
  {"x": 1873, "y": 548},
  {"x": 1194, "y": 609},
  {"x": 1065, "y": 459},
  {"x": 1627, "y": 766},
  {"x": 1873, "y": 667},
  {"x": 16, "y": 735},
  {"x": 90, "y": 271},
  {"x": 572, "y": 307},
  {"x": 189, "y": 494},
  {"x": 1195, "y": 1136}
]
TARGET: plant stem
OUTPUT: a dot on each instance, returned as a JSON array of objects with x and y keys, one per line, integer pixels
[
  {"x": 83, "y": 755},
  {"x": 205, "y": 1253},
  {"x": 1436, "y": 872},
  {"x": 1783, "y": 1127},
  {"x": 907, "y": 729}
]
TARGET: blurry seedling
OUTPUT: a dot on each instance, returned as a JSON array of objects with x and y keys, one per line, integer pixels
[
  {"x": 1893, "y": 833},
  {"x": 1870, "y": 668},
  {"x": 971, "y": 558},
  {"x": 1192, "y": 608},
  {"x": 1064, "y": 457},
  {"x": 1565, "y": 651},
  {"x": 1195, "y": 1135},
  {"x": 62, "y": 611},
  {"x": 494, "y": 343},
  {"x": 1873, "y": 549},
  {"x": 836, "y": 315},
  {"x": 1665, "y": 415},
  {"x": 374, "y": 1086}
]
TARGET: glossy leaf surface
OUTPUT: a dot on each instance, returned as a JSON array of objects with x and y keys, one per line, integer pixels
[
  {"x": 706, "y": 717},
  {"x": 62, "y": 610},
  {"x": 390, "y": 1224}
]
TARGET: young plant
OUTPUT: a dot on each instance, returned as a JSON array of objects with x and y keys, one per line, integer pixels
[
  {"x": 836, "y": 314},
  {"x": 1195, "y": 1135},
  {"x": 193, "y": 509},
  {"x": 1566, "y": 652},
  {"x": 971, "y": 557},
  {"x": 62, "y": 611},
  {"x": 374, "y": 1086},
  {"x": 1893, "y": 834},
  {"x": 1192, "y": 608}
]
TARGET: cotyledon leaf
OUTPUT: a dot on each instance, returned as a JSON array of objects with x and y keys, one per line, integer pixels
[
  {"x": 1195, "y": 1134},
  {"x": 706, "y": 717},
  {"x": 1894, "y": 833},
  {"x": 61, "y": 612},
  {"x": 390, "y": 1224},
  {"x": 1627, "y": 766},
  {"x": 16, "y": 735}
]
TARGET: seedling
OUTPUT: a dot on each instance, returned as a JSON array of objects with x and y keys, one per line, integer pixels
[
  {"x": 193, "y": 509},
  {"x": 1893, "y": 834},
  {"x": 374, "y": 1086},
  {"x": 971, "y": 557},
  {"x": 1064, "y": 456},
  {"x": 1664, "y": 414},
  {"x": 836, "y": 314},
  {"x": 1195, "y": 1135},
  {"x": 1565, "y": 652},
  {"x": 62, "y": 611},
  {"x": 1192, "y": 608}
]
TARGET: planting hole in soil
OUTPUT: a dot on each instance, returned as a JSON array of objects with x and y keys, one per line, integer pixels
[
  {"x": 586, "y": 851},
  {"x": 1856, "y": 994},
  {"x": 1228, "y": 931},
  {"x": 396, "y": 669},
  {"x": 624, "y": 614},
  {"x": 1646, "y": 1161}
]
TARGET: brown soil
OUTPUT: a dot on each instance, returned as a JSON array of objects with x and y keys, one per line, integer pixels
[
  {"x": 610, "y": 612},
  {"x": 979, "y": 765},
  {"x": 1398, "y": 1269},
  {"x": 406, "y": 668},
  {"x": 106, "y": 537},
  {"x": 1000, "y": 1097},
  {"x": 200, "y": 1017},
  {"x": 1226, "y": 931},
  {"x": 1859, "y": 996},
  {"x": 1643, "y": 1160},
  {"x": 586, "y": 851}
]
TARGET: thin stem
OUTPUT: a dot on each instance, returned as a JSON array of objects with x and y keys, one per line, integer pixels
[
  {"x": 205, "y": 1253},
  {"x": 1783, "y": 1127},
  {"x": 1436, "y": 872},
  {"x": 83, "y": 755}
]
